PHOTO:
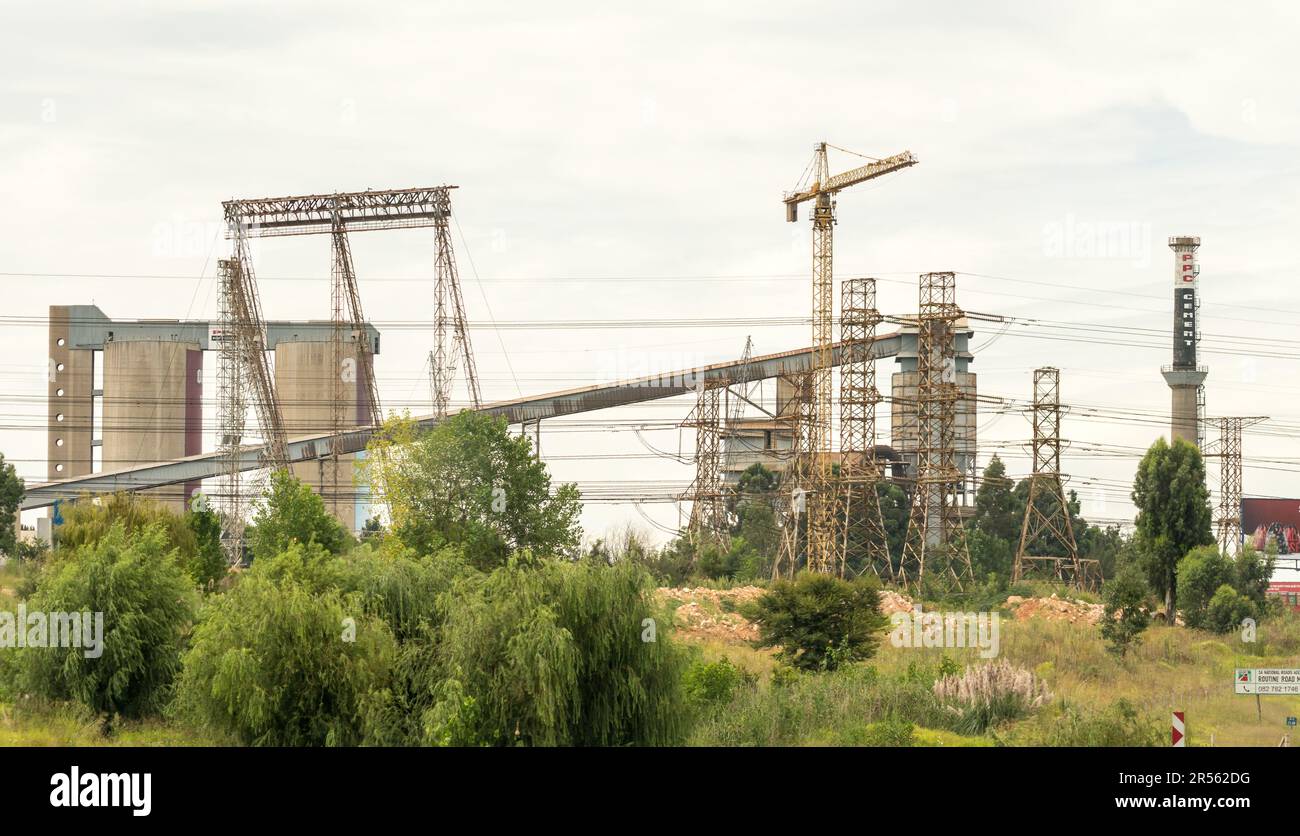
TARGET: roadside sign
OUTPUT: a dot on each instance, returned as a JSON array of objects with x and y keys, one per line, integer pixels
[
  {"x": 1290, "y": 721},
  {"x": 1267, "y": 681},
  {"x": 1178, "y": 732}
]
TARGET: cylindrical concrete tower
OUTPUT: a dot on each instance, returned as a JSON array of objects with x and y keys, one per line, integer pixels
[
  {"x": 153, "y": 407},
  {"x": 305, "y": 381},
  {"x": 1185, "y": 377}
]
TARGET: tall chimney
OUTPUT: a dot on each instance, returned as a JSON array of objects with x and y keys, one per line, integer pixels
[{"x": 1185, "y": 377}]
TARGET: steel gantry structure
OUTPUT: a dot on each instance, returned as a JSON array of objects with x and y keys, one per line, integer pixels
[
  {"x": 244, "y": 369},
  {"x": 813, "y": 474}
]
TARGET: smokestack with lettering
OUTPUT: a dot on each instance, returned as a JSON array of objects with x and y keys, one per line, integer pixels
[{"x": 1185, "y": 377}]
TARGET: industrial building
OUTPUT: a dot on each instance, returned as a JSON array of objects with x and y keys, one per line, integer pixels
[{"x": 133, "y": 389}]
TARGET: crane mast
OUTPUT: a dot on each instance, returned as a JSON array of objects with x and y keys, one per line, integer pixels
[{"x": 811, "y": 471}]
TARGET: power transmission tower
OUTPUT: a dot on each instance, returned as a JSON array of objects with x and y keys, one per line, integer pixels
[
  {"x": 862, "y": 540},
  {"x": 708, "y": 524},
  {"x": 936, "y": 540},
  {"x": 1227, "y": 517},
  {"x": 815, "y": 474},
  {"x": 1047, "y": 513},
  {"x": 449, "y": 313}
]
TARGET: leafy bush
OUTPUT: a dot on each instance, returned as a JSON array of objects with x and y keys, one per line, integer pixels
[
  {"x": 1227, "y": 609},
  {"x": 710, "y": 685},
  {"x": 276, "y": 662},
  {"x": 887, "y": 733},
  {"x": 539, "y": 652},
  {"x": 820, "y": 622},
  {"x": 209, "y": 562},
  {"x": 147, "y": 603},
  {"x": 1200, "y": 574}
]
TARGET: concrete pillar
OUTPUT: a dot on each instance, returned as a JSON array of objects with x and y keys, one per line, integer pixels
[
  {"x": 70, "y": 399},
  {"x": 153, "y": 408},
  {"x": 305, "y": 384}
]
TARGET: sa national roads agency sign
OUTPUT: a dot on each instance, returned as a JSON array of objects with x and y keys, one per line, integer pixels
[{"x": 1267, "y": 680}]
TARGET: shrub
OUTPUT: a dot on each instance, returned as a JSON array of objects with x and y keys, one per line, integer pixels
[
  {"x": 147, "y": 604},
  {"x": 1119, "y": 724},
  {"x": 1227, "y": 609},
  {"x": 208, "y": 564},
  {"x": 1125, "y": 596},
  {"x": 274, "y": 663},
  {"x": 820, "y": 622},
  {"x": 887, "y": 733},
  {"x": 1200, "y": 574},
  {"x": 710, "y": 685},
  {"x": 539, "y": 653}
]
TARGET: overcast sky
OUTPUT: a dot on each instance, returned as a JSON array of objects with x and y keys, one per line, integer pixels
[{"x": 619, "y": 164}]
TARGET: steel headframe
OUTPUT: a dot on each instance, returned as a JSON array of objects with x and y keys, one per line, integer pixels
[
  {"x": 935, "y": 547},
  {"x": 1047, "y": 524}
]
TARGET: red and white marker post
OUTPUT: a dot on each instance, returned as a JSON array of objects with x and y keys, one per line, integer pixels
[{"x": 1179, "y": 732}]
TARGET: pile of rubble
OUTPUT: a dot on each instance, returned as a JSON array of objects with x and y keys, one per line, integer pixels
[
  {"x": 712, "y": 613},
  {"x": 1055, "y": 609}
]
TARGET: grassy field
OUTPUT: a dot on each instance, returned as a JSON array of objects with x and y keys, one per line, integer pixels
[{"x": 1173, "y": 669}]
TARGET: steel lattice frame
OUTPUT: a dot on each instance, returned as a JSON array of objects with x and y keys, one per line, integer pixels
[
  {"x": 935, "y": 547},
  {"x": 708, "y": 524},
  {"x": 1047, "y": 512},
  {"x": 822, "y": 553},
  {"x": 231, "y": 411},
  {"x": 449, "y": 308},
  {"x": 1227, "y": 517},
  {"x": 860, "y": 538},
  {"x": 795, "y": 480}
]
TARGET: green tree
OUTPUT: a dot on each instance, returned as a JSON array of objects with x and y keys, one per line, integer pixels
[
  {"x": 209, "y": 563},
  {"x": 147, "y": 602},
  {"x": 819, "y": 621},
  {"x": 998, "y": 513},
  {"x": 291, "y": 512},
  {"x": 894, "y": 510},
  {"x": 1252, "y": 572},
  {"x": 1173, "y": 513},
  {"x": 1200, "y": 574},
  {"x": 11, "y": 496},
  {"x": 1125, "y": 597},
  {"x": 468, "y": 482}
]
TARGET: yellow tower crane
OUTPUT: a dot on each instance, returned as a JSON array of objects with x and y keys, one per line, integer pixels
[{"x": 811, "y": 468}]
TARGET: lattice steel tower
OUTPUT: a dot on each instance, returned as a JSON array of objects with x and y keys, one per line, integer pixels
[
  {"x": 861, "y": 539},
  {"x": 936, "y": 540},
  {"x": 1047, "y": 514},
  {"x": 708, "y": 523},
  {"x": 1227, "y": 517}
]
